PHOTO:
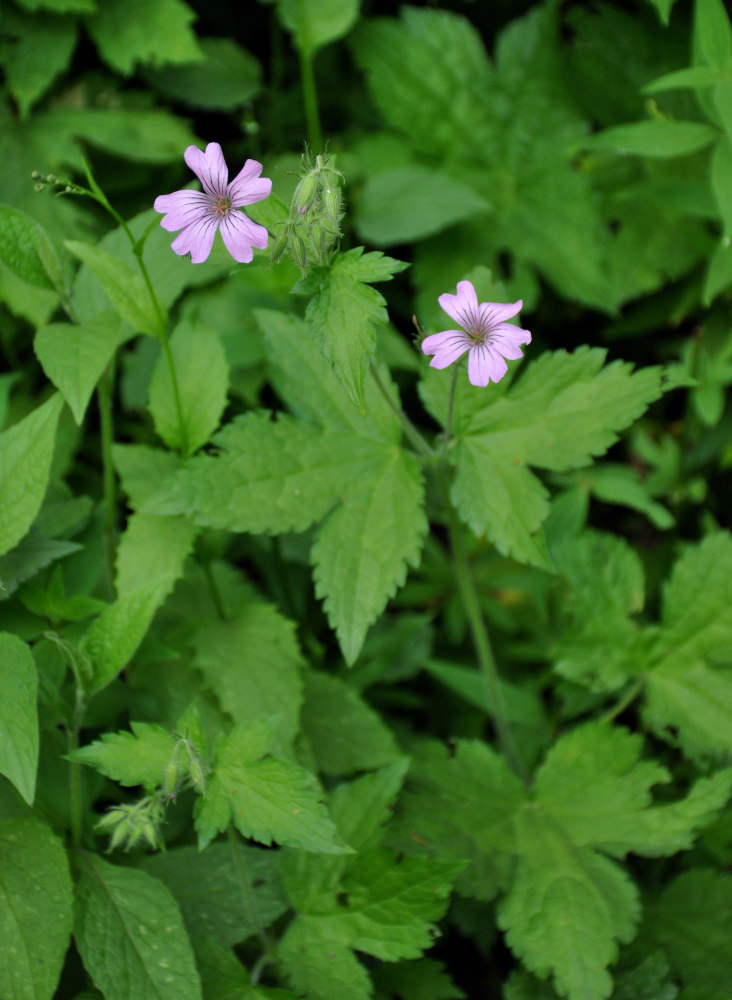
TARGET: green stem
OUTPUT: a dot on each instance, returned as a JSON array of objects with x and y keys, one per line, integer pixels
[
  {"x": 182, "y": 433},
  {"x": 450, "y": 411},
  {"x": 74, "y": 789},
  {"x": 481, "y": 641},
  {"x": 214, "y": 590},
  {"x": 627, "y": 699},
  {"x": 310, "y": 97},
  {"x": 409, "y": 429},
  {"x": 104, "y": 396},
  {"x": 250, "y": 904}
]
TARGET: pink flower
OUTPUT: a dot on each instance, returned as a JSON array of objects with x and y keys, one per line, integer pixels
[
  {"x": 485, "y": 335},
  {"x": 200, "y": 213}
]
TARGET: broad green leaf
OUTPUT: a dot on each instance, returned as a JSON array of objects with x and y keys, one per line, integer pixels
[
  {"x": 111, "y": 641},
  {"x": 504, "y": 502},
  {"x": 26, "y": 450},
  {"x": 36, "y": 907},
  {"x": 228, "y": 77},
  {"x": 344, "y": 732},
  {"x": 41, "y": 49},
  {"x": 152, "y": 547},
  {"x": 713, "y": 33},
  {"x": 267, "y": 799},
  {"x": 690, "y": 921},
  {"x": 721, "y": 183},
  {"x": 210, "y": 889},
  {"x": 654, "y": 138},
  {"x": 142, "y": 469},
  {"x": 621, "y": 484},
  {"x": 136, "y": 758},
  {"x": 361, "y": 554},
  {"x": 567, "y": 909},
  {"x": 343, "y": 316},
  {"x": 26, "y": 249},
  {"x": 139, "y": 134},
  {"x": 130, "y": 31},
  {"x": 690, "y": 705},
  {"x": 32, "y": 553},
  {"x": 18, "y": 715},
  {"x": 605, "y": 573},
  {"x": 125, "y": 288},
  {"x": 252, "y": 664},
  {"x": 423, "y": 979},
  {"x": 691, "y": 77},
  {"x": 130, "y": 935},
  {"x": 321, "y": 965},
  {"x": 74, "y": 356},
  {"x": 315, "y": 23},
  {"x": 409, "y": 203},
  {"x": 361, "y": 809},
  {"x": 195, "y": 350},
  {"x": 719, "y": 272}
]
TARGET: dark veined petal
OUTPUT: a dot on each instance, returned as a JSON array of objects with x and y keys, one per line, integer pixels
[
  {"x": 493, "y": 313},
  {"x": 447, "y": 347},
  {"x": 181, "y": 208},
  {"x": 210, "y": 168},
  {"x": 485, "y": 365},
  {"x": 248, "y": 187},
  {"x": 463, "y": 307},
  {"x": 196, "y": 239},
  {"x": 240, "y": 234}
]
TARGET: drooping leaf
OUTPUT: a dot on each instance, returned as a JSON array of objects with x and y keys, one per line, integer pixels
[
  {"x": 26, "y": 450},
  {"x": 18, "y": 715},
  {"x": 130, "y": 935},
  {"x": 36, "y": 907}
]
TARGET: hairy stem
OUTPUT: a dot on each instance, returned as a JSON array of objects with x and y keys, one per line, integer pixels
[
  {"x": 631, "y": 693},
  {"x": 409, "y": 429},
  {"x": 310, "y": 97}
]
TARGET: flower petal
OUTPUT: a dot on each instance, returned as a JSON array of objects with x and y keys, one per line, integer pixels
[
  {"x": 240, "y": 234},
  {"x": 447, "y": 347},
  {"x": 210, "y": 168},
  {"x": 181, "y": 208},
  {"x": 463, "y": 307},
  {"x": 492, "y": 313},
  {"x": 196, "y": 239},
  {"x": 248, "y": 187},
  {"x": 506, "y": 339},
  {"x": 485, "y": 365}
]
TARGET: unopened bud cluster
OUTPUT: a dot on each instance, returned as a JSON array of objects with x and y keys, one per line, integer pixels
[
  {"x": 313, "y": 226},
  {"x": 130, "y": 824},
  {"x": 51, "y": 180}
]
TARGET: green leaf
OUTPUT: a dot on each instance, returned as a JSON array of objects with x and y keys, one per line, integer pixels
[
  {"x": 26, "y": 249},
  {"x": 566, "y": 909},
  {"x": 315, "y": 23},
  {"x": 131, "y": 31},
  {"x": 111, "y": 641},
  {"x": 424, "y": 979},
  {"x": 131, "y": 937},
  {"x": 61, "y": 6},
  {"x": 152, "y": 547},
  {"x": 343, "y": 315},
  {"x": 26, "y": 450},
  {"x": 142, "y": 469},
  {"x": 344, "y": 732},
  {"x": 136, "y": 758},
  {"x": 713, "y": 33},
  {"x": 691, "y": 77},
  {"x": 202, "y": 400},
  {"x": 18, "y": 715},
  {"x": 362, "y": 809},
  {"x": 41, "y": 48},
  {"x": 30, "y": 555},
  {"x": 141, "y": 135},
  {"x": 125, "y": 288},
  {"x": 361, "y": 553},
  {"x": 689, "y": 919},
  {"x": 659, "y": 138},
  {"x": 74, "y": 357},
  {"x": 320, "y": 965},
  {"x": 267, "y": 799},
  {"x": 252, "y": 664},
  {"x": 408, "y": 203},
  {"x": 208, "y": 888},
  {"x": 721, "y": 184},
  {"x": 228, "y": 77},
  {"x": 690, "y": 705},
  {"x": 36, "y": 907}
]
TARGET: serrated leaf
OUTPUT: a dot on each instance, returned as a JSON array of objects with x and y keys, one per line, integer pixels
[
  {"x": 690, "y": 705},
  {"x": 75, "y": 356},
  {"x": 36, "y": 907},
  {"x": 343, "y": 315},
  {"x": 195, "y": 349},
  {"x": 131, "y": 937},
  {"x": 252, "y": 664},
  {"x": 41, "y": 49},
  {"x": 344, "y": 732},
  {"x": 321, "y": 965},
  {"x": 26, "y": 249},
  {"x": 361, "y": 553},
  {"x": 362, "y": 808},
  {"x": 130, "y": 31},
  {"x": 142, "y": 469},
  {"x": 208, "y": 888},
  {"x": 18, "y": 715},
  {"x": 152, "y": 547},
  {"x": 26, "y": 450},
  {"x": 567, "y": 909},
  {"x": 113, "y": 638},
  {"x": 136, "y": 758},
  {"x": 125, "y": 288},
  {"x": 315, "y": 23},
  {"x": 267, "y": 799}
]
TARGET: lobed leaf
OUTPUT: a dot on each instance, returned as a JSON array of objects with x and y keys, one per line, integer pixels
[
  {"x": 130, "y": 31},
  {"x": 136, "y": 758}
]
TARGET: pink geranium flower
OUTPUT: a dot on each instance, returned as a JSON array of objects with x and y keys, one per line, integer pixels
[
  {"x": 198, "y": 214},
  {"x": 485, "y": 335}
]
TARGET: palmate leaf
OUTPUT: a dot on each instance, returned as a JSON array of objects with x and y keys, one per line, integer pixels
[{"x": 565, "y": 410}]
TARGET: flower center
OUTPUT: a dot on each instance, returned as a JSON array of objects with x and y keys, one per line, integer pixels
[{"x": 221, "y": 206}]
